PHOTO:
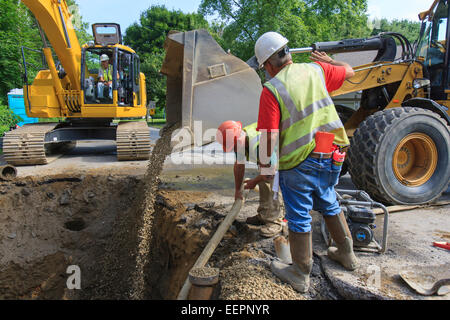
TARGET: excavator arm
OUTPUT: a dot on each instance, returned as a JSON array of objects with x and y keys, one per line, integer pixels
[{"x": 54, "y": 18}]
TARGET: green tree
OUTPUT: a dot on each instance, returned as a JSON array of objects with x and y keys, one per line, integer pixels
[
  {"x": 147, "y": 38},
  {"x": 410, "y": 29},
  {"x": 15, "y": 25},
  {"x": 303, "y": 22},
  {"x": 81, "y": 27},
  {"x": 7, "y": 119}
]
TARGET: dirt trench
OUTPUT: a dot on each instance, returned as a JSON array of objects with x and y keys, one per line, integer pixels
[
  {"x": 51, "y": 223},
  {"x": 93, "y": 221}
]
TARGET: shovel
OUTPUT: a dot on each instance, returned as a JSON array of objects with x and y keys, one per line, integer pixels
[{"x": 426, "y": 285}]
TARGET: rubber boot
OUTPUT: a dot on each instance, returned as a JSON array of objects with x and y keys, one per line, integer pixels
[
  {"x": 296, "y": 274},
  {"x": 343, "y": 252}
]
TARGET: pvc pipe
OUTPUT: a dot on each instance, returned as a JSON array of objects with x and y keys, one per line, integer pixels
[
  {"x": 7, "y": 173},
  {"x": 212, "y": 244}
]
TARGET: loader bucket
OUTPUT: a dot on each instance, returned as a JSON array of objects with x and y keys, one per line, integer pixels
[{"x": 207, "y": 86}]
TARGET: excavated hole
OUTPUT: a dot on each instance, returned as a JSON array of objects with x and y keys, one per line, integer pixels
[
  {"x": 51, "y": 223},
  {"x": 75, "y": 225},
  {"x": 93, "y": 222}
]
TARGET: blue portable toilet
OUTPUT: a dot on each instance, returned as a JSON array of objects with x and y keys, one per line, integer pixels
[{"x": 16, "y": 103}]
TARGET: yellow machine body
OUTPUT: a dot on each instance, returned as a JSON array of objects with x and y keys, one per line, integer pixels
[{"x": 50, "y": 96}]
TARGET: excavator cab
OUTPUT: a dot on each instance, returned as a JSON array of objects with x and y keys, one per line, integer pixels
[
  {"x": 123, "y": 89},
  {"x": 124, "y": 70}
]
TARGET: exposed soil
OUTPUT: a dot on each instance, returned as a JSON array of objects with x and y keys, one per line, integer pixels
[{"x": 51, "y": 223}]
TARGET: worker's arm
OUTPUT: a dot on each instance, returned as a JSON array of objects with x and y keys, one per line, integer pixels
[
  {"x": 323, "y": 57},
  {"x": 239, "y": 173},
  {"x": 252, "y": 183}
]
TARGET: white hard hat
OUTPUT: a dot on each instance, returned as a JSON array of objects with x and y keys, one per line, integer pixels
[
  {"x": 104, "y": 57},
  {"x": 267, "y": 45}
]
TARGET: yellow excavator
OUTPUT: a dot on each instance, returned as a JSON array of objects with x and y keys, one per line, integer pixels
[
  {"x": 400, "y": 150},
  {"x": 71, "y": 87}
]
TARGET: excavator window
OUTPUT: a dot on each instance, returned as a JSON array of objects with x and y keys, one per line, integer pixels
[
  {"x": 98, "y": 92},
  {"x": 95, "y": 90}
]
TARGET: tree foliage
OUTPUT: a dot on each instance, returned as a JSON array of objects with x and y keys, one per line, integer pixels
[
  {"x": 7, "y": 119},
  {"x": 409, "y": 29},
  {"x": 147, "y": 38},
  {"x": 16, "y": 26},
  {"x": 303, "y": 22}
]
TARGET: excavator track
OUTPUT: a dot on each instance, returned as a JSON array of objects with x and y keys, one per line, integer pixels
[
  {"x": 133, "y": 141},
  {"x": 26, "y": 145}
]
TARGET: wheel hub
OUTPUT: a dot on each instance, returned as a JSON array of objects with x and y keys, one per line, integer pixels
[{"x": 415, "y": 159}]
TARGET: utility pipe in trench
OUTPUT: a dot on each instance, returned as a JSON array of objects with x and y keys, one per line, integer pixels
[{"x": 213, "y": 243}]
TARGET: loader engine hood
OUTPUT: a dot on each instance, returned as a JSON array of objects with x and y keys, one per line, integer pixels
[{"x": 206, "y": 85}]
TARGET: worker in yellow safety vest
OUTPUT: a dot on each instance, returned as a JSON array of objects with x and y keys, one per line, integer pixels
[
  {"x": 297, "y": 115},
  {"x": 245, "y": 143},
  {"x": 105, "y": 78}
]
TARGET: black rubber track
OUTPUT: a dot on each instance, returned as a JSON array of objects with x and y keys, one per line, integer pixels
[{"x": 370, "y": 155}]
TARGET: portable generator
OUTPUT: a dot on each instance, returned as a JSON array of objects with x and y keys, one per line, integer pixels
[{"x": 357, "y": 207}]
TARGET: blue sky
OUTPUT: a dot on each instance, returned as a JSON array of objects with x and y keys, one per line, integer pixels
[{"x": 127, "y": 12}]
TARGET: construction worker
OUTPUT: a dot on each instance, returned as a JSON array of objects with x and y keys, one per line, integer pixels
[
  {"x": 105, "y": 77},
  {"x": 295, "y": 106},
  {"x": 245, "y": 143}
]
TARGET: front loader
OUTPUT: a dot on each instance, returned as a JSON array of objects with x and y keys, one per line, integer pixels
[{"x": 400, "y": 135}]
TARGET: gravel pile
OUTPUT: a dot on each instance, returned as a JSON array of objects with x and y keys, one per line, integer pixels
[{"x": 245, "y": 280}]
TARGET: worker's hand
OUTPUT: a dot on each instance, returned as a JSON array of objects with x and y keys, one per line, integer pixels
[
  {"x": 320, "y": 57},
  {"x": 250, "y": 184},
  {"x": 268, "y": 178},
  {"x": 238, "y": 195}
]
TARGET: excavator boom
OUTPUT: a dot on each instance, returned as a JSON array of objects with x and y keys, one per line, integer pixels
[{"x": 55, "y": 19}]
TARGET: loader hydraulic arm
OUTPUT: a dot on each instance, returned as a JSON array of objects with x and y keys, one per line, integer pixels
[
  {"x": 384, "y": 43},
  {"x": 347, "y": 45},
  {"x": 55, "y": 19}
]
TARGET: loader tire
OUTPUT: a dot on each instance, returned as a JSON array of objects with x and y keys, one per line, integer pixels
[{"x": 401, "y": 156}]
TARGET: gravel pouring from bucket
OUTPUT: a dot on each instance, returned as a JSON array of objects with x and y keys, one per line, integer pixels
[{"x": 205, "y": 84}]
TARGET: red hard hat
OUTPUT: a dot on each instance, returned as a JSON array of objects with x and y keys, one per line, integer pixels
[{"x": 228, "y": 133}]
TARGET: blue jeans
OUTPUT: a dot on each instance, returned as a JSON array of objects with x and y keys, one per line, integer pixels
[
  {"x": 101, "y": 89},
  {"x": 309, "y": 186}
]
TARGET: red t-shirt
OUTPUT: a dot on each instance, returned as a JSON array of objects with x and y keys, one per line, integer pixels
[{"x": 269, "y": 110}]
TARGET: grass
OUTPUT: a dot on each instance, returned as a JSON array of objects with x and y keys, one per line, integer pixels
[{"x": 157, "y": 123}]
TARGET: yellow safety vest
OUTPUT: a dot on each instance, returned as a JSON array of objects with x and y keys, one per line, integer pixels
[
  {"x": 306, "y": 108},
  {"x": 107, "y": 74}
]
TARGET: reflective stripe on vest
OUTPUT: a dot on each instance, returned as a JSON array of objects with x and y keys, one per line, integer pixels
[{"x": 306, "y": 108}]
